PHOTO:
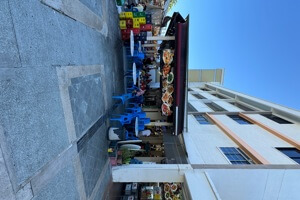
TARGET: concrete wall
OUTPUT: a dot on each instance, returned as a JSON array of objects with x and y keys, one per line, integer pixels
[
  {"x": 259, "y": 139},
  {"x": 252, "y": 184},
  {"x": 203, "y": 141}
]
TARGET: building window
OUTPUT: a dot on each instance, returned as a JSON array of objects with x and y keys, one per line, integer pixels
[
  {"x": 236, "y": 156},
  {"x": 240, "y": 106},
  {"x": 215, "y": 107},
  {"x": 239, "y": 119},
  {"x": 198, "y": 96},
  {"x": 276, "y": 119},
  {"x": 204, "y": 89},
  {"x": 292, "y": 153},
  {"x": 202, "y": 119},
  {"x": 191, "y": 108},
  {"x": 219, "y": 96}
]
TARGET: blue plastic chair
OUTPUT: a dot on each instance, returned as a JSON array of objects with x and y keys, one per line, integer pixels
[
  {"x": 144, "y": 120},
  {"x": 139, "y": 55},
  {"x": 137, "y": 99},
  {"x": 130, "y": 136},
  {"x": 123, "y": 119},
  {"x": 141, "y": 127},
  {"x": 135, "y": 161},
  {"x": 141, "y": 114},
  {"x": 123, "y": 97},
  {"x": 133, "y": 105},
  {"x": 134, "y": 110},
  {"x": 131, "y": 10}
]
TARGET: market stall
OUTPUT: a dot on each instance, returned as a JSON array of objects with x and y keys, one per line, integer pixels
[
  {"x": 151, "y": 191},
  {"x": 157, "y": 76}
]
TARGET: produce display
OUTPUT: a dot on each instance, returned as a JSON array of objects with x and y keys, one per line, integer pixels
[
  {"x": 157, "y": 193},
  {"x": 167, "y": 86},
  {"x": 172, "y": 191},
  {"x": 170, "y": 77},
  {"x": 166, "y": 109},
  {"x": 166, "y": 70},
  {"x": 167, "y": 56},
  {"x": 147, "y": 192}
]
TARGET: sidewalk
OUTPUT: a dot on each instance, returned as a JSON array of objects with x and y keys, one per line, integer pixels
[{"x": 57, "y": 77}]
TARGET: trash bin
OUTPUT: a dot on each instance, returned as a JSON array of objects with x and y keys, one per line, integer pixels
[{"x": 116, "y": 133}]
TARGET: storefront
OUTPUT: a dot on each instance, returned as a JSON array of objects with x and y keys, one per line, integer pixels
[{"x": 163, "y": 73}]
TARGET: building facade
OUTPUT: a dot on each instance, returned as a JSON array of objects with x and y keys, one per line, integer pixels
[{"x": 237, "y": 147}]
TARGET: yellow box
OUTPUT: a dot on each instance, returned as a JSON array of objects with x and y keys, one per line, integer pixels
[
  {"x": 128, "y": 15},
  {"x": 142, "y": 20},
  {"x": 122, "y": 24},
  {"x": 136, "y": 24},
  {"x": 122, "y": 15},
  {"x": 136, "y": 20}
]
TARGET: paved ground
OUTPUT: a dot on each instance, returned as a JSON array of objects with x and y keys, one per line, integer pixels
[{"x": 60, "y": 63}]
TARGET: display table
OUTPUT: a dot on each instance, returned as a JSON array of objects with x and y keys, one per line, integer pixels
[
  {"x": 136, "y": 126},
  {"x": 134, "y": 73},
  {"x": 131, "y": 42}
]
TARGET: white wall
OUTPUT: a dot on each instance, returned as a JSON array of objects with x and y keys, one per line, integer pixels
[
  {"x": 202, "y": 142},
  {"x": 259, "y": 139},
  {"x": 227, "y": 106},
  {"x": 200, "y": 106},
  {"x": 290, "y": 113},
  {"x": 198, "y": 186},
  {"x": 192, "y": 97},
  {"x": 252, "y": 184},
  {"x": 290, "y": 130}
]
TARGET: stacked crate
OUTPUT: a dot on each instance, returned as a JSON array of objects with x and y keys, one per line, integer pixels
[
  {"x": 138, "y": 22},
  {"x": 120, "y": 2}
]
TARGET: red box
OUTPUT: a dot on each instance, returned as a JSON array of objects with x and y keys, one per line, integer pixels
[
  {"x": 135, "y": 31},
  {"x": 124, "y": 31},
  {"x": 125, "y": 37},
  {"x": 129, "y": 23},
  {"x": 146, "y": 27}
]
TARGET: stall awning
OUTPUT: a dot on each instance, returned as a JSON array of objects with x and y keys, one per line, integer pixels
[
  {"x": 181, "y": 70},
  {"x": 178, "y": 27}
]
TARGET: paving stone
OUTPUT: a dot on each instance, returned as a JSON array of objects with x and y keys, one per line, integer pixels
[
  {"x": 46, "y": 37},
  {"x": 33, "y": 123},
  {"x": 61, "y": 187},
  {"x": 87, "y": 102},
  {"x": 9, "y": 55},
  {"x": 94, "y": 5},
  {"x": 6, "y": 190},
  {"x": 93, "y": 159}
]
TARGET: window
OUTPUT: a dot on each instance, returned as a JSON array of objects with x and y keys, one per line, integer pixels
[
  {"x": 245, "y": 108},
  {"x": 198, "y": 96},
  {"x": 204, "y": 89},
  {"x": 293, "y": 153},
  {"x": 236, "y": 156},
  {"x": 191, "y": 108},
  {"x": 219, "y": 96},
  {"x": 202, "y": 120},
  {"x": 238, "y": 119},
  {"x": 215, "y": 107},
  {"x": 277, "y": 119}
]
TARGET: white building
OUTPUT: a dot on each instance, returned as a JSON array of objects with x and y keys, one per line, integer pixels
[{"x": 237, "y": 146}]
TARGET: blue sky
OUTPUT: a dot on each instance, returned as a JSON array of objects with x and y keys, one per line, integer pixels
[{"x": 256, "y": 41}]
